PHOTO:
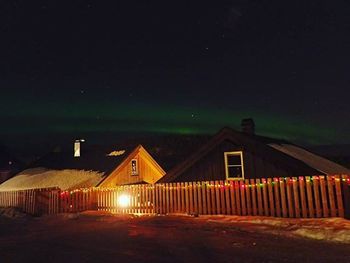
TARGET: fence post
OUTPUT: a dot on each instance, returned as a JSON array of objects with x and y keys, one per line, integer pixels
[
  {"x": 93, "y": 199},
  {"x": 36, "y": 202},
  {"x": 346, "y": 197}
]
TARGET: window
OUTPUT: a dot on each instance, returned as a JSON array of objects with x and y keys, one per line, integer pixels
[
  {"x": 134, "y": 167},
  {"x": 234, "y": 165}
]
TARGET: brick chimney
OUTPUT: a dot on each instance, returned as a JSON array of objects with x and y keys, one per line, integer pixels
[{"x": 248, "y": 126}]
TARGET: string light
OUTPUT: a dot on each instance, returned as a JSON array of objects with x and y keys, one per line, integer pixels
[{"x": 222, "y": 185}]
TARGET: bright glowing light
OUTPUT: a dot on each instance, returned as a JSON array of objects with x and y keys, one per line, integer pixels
[{"x": 124, "y": 200}]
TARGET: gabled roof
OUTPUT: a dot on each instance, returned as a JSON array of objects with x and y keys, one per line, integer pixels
[
  {"x": 313, "y": 160},
  {"x": 167, "y": 151},
  {"x": 252, "y": 143},
  {"x": 65, "y": 179},
  {"x": 127, "y": 160},
  {"x": 317, "y": 162},
  {"x": 93, "y": 158},
  {"x": 61, "y": 169},
  {"x": 171, "y": 150}
]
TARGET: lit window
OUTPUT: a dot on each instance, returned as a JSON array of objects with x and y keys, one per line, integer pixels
[
  {"x": 234, "y": 165},
  {"x": 134, "y": 167}
]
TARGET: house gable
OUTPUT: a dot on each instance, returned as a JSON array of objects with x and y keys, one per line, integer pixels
[
  {"x": 147, "y": 170},
  {"x": 260, "y": 160}
]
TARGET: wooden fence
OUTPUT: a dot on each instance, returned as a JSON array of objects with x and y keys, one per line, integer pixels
[
  {"x": 121, "y": 199},
  {"x": 307, "y": 197},
  {"x": 316, "y": 196},
  {"x": 32, "y": 201}
]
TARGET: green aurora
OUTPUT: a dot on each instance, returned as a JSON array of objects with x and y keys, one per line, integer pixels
[{"x": 90, "y": 117}]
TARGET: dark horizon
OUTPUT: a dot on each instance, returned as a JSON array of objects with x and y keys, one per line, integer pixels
[{"x": 27, "y": 148}]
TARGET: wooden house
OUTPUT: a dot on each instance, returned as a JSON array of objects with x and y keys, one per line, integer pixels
[
  {"x": 233, "y": 155},
  {"x": 88, "y": 167}
]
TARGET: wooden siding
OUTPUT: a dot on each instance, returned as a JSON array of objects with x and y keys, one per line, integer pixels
[
  {"x": 148, "y": 171},
  {"x": 212, "y": 165}
]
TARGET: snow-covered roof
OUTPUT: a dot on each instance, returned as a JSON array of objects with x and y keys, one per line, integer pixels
[
  {"x": 315, "y": 161},
  {"x": 44, "y": 178}
]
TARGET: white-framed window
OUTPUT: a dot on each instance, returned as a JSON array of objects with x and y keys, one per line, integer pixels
[{"x": 234, "y": 166}]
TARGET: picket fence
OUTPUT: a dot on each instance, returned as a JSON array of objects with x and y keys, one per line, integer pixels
[
  {"x": 294, "y": 197},
  {"x": 33, "y": 201}
]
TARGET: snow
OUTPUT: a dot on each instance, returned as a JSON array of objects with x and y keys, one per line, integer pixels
[
  {"x": 43, "y": 178},
  {"x": 11, "y": 212},
  {"x": 96, "y": 236},
  {"x": 317, "y": 162},
  {"x": 326, "y": 229}
]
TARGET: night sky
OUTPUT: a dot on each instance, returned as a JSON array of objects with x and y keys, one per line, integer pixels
[{"x": 79, "y": 67}]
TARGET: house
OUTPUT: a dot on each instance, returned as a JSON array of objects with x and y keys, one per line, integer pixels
[
  {"x": 233, "y": 155},
  {"x": 227, "y": 155},
  {"x": 88, "y": 166},
  {"x": 138, "y": 167}
]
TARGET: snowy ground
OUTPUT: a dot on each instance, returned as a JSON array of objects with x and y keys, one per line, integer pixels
[
  {"x": 98, "y": 237},
  {"x": 326, "y": 229}
]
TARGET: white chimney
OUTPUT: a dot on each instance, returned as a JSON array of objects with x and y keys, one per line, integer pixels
[{"x": 77, "y": 147}]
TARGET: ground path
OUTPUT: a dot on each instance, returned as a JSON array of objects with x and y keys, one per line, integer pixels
[{"x": 96, "y": 237}]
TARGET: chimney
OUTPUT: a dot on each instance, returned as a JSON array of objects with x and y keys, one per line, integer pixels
[
  {"x": 77, "y": 147},
  {"x": 248, "y": 126}
]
